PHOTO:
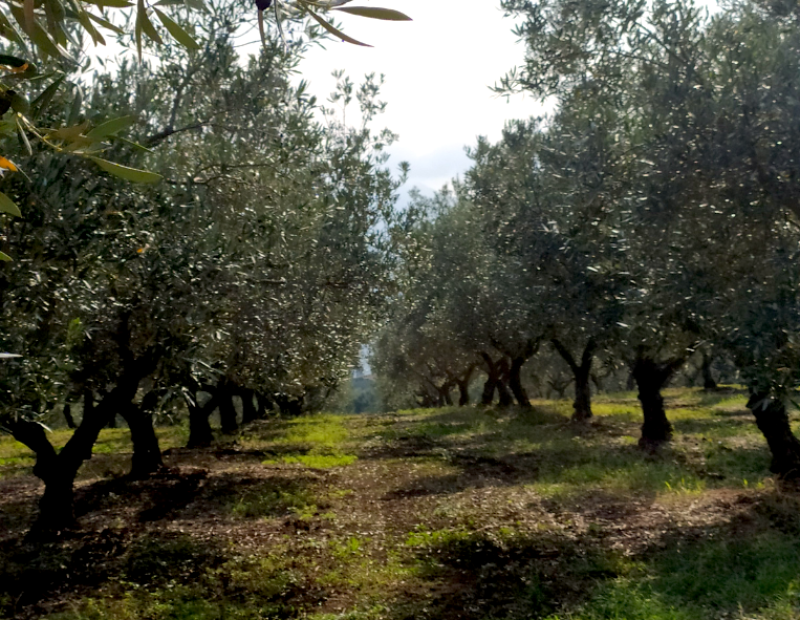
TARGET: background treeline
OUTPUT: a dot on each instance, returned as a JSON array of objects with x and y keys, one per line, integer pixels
[
  {"x": 248, "y": 277},
  {"x": 651, "y": 218}
]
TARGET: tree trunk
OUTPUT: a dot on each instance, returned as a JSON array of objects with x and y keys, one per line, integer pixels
[
  {"x": 463, "y": 386},
  {"x": 488, "y": 389},
  {"x": 88, "y": 403},
  {"x": 504, "y": 395},
  {"x": 290, "y": 406},
  {"x": 463, "y": 393},
  {"x": 200, "y": 435},
  {"x": 68, "y": 416},
  {"x": 496, "y": 372},
  {"x": 264, "y": 403},
  {"x": 56, "y": 504},
  {"x": 227, "y": 411},
  {"x": 444, "y": 395},
  {"x": 492, "y": 376},
  {"x": 582, "y": 405},
  {"x": 58, "y": 470},
  {"x": 515, "y": 382},
  {"x": 146, "y": 458},
  {"x": 773, "y": 422},
  {"x": 708, "y": 378},
  {"x": 651, "y": 377},
  {"x": 249, "y": 410}
]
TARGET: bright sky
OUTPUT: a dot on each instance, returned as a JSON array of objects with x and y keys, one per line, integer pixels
[{"x": 438, "y": 71}]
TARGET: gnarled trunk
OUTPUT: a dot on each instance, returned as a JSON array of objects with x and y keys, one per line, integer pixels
[
  {"x": 200, "y": 435},
  {"x": 265, "y": 404},
  {"x": 503, "y": 394},
  {"x": 146, "y": 458},
  {"x": 709, "y": 383},
  {"x": 56, "y": 504},
  {"x": 58, "y": 470},
  {"x": 515, "y": 381},
  {"x": 444, "y": 398},
  {"x": 290, "y": 406},
  {"x": 227, "y": 410},
  {"x": 68, "y": 416},
  {"x": 651, "y": 377},
  {"x": 496, "y": 372},
  {"x": 463, "y": 393},
  {"x": 582, "y": 405},
  {"x": 463, "y": 386},
  {"x": 249, "y": 411},
  {"x": 491, "y": 380},
  {"x": 773, "y": 421}
]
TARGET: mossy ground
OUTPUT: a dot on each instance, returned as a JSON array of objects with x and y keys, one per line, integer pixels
[{"x": 448, "y": 513}]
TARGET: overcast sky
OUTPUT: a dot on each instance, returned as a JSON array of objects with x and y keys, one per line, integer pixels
[{"x": 438, "y": 71}]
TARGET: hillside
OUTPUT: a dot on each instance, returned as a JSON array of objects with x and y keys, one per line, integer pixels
[{"x": 438, "y": 513}]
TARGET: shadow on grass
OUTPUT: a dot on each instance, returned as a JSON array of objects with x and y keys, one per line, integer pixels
[
  {"x": 253, "y": 498},
  {"x": 156, "y": 559},
  {"x": 721, "y": 425},
  {"x": 159, "y": 496},
  {"x": 31, "y": 574},
  {"x": 541, "y": 447},
  {"x": 567, "y": 464},
  {"x": 508, "y": 576},
  {"x": 748, "y": 567},
  {"x": 34, "y": 578},
  {"x": 426, "y": 437},
  {"x": 745, "y": 567}
]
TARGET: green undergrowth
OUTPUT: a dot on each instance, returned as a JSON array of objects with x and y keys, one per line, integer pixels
[
  {"x": 713, "y": 573},
  {"x": 319, "y": 442},
  {"x": 716, "y": 444},
  {"x": 252, "y": 587},
  {"x": 272, "y": 498},
  {"x": 439, "y": 514}
]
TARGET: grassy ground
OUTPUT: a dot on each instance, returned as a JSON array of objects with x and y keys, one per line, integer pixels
[{"x": 449, "y": 513}]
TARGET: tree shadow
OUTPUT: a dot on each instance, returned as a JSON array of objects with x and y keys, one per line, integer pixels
[
  {"x": 19, "y": 499},
  {"x": 426, "y": 438},
  {"x": 723, "y": 424},
  {"x": 159, "y": 496},
  {"x": 244, "y": 496},
  {"x": 474, "y": 471},
  {"x": 34, "y": 576},
  {"x": 116, "y": 548},
  {"x": 744, "y": 558}
]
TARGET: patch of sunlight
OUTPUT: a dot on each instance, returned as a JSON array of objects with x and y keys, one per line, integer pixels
[{"x": 315, "y": 461}]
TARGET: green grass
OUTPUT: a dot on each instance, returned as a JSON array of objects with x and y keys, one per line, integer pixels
[
  {"x": 716, "y": 443},
  {"x": 319, "y": 442},
  {"x": 241, "y": 588},
  {"x": 753, "y": 577},
  {"x": 271, "y": 498},
  {"x": 475, "y": 513}
]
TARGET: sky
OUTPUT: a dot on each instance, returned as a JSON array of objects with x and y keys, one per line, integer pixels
[{"x": 438, "y": 69}]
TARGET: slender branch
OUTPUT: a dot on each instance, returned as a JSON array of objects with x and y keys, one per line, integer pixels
[{"x": 564, "y": 352}]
